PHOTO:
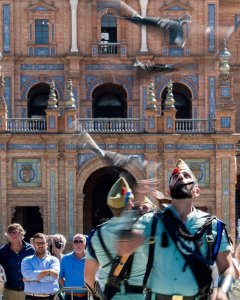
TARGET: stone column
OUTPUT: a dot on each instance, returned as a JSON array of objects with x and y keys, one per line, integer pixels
[
  {"x": 144, "y": 48},
  {"x": 74, "y": 4}
]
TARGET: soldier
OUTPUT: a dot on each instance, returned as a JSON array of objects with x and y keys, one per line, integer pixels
[
  {"x": 186, "y": 241},
  {"x": 120, "y": 277},
  {"x": 146, "y": 206}
]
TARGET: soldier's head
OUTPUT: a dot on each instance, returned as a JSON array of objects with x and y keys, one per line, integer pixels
[
  {"x": 183, "y": 183},
  {"x": 120, "y": 197},
  {"x": 163, "y": 201},
  {"x": 146, "y": 206}
]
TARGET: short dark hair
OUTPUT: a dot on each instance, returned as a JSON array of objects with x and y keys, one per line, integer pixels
[{"x": 39, "y": 235}]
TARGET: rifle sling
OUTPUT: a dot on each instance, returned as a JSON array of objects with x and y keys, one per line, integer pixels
[{"x": 122, "y": 269}]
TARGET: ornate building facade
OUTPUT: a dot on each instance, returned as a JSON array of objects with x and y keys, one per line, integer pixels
[{"x": 77, "y": 66}]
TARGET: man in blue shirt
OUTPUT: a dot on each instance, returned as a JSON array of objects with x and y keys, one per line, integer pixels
[
  {"x": 40, "y": 271},
  {"x": 72, "y": 269},
  {"x": 11, "y": 256}
]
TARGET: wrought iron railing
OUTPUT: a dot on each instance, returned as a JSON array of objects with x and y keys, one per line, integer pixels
[
  {"x": 194, "y": 126},
  {"x": 110, "y": 125},
  {"x": 26, "y": 125}
]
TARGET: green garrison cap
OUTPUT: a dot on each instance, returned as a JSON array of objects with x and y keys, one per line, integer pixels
[
  {"x": 119, "y": 194},
  {"x": 146, "y": 200},
  {"x": 181, "y": 166}
]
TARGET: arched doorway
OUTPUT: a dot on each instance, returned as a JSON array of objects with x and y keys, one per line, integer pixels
[
  {"x": 38, "y": 97},
  {"x": 183, "y": 103},
  {"x": 96, "y": 190},
  {"x": 30, "y": 218},
  {"x": 109, "y": 101}
]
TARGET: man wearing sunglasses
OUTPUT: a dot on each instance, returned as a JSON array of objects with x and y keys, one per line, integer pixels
[{"x": 72, "y": 269}]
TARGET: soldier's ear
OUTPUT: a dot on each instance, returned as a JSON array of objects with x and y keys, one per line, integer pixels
[{"x": 197, "y": 191}]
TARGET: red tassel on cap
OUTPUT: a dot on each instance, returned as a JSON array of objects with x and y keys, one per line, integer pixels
[
  {"x": 176, "y": 170},
  {"x": 123, "y": 191}
]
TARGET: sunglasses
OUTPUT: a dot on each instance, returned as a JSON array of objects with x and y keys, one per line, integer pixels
[{"x": 78, "y": 241}]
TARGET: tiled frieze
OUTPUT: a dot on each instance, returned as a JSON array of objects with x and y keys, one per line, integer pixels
[{"x": 190, "y": 147}]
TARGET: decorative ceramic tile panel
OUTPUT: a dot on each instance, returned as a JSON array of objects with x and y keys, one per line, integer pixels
[
  {"x": 225, "y": 122},
  {"x": 169, "y": 122},
  {"x": 225, "y": 91},
  {"x": 225, "y": 146},
  {"x": 52, "y": 202},
  {"x": 201, "y": 169},
  {"x": 237, "y": 21},
  {"x": 225, "y": 184},
  {"x": 27, "y": 172},
  {"x": 70, "y": 204},
  {"x": 211, "y": 26},
  {"x": 212, "y": 98},
  {"x": 8, "y": 95},
  {"x": 6, "y": 28},
  {"x": 151, "y": 122}
]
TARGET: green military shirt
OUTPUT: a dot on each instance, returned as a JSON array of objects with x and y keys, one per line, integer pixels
[
  {"x": 170, "y": 275},
  {"x": 109, "y": 233}
]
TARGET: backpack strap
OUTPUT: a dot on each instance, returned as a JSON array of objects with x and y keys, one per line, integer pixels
[
  {"x": 89, "y": 242},
  {"x": 196, "y": 261},
  {"x": 217, "y": 242},
  {"x": 151, "y": 250},
  {"x": 107, "y": 252}
]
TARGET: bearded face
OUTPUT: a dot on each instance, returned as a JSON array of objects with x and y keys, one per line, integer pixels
[
  {"x": 181, "y": 191},
  {"x": 181, "y": 185}
]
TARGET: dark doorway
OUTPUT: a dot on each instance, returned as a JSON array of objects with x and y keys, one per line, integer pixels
[
  {"x": 30, "y": 218},
  {"x": 96, "y": 190}
]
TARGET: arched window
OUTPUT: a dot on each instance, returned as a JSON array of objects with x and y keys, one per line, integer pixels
[
  {"x": 183, "y": 102},
  {"x": 109, "y": 106},
  {"x": 38, "y": 100},
  {"x": 109, "y": 28},
  {"x": 109, "y": 101}
]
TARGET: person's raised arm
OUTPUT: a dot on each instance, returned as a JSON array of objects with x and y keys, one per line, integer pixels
[
  {"x": 128, "y": 242},
  {"x": 226, "y": 274}
]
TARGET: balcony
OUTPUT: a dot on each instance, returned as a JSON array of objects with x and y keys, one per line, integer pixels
[
  {"x": 28, "y": 125},
  {"x": 111, "y": 125},
  {"x": 194, "y": 126},
  {"x": 108, "y": 48}
]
